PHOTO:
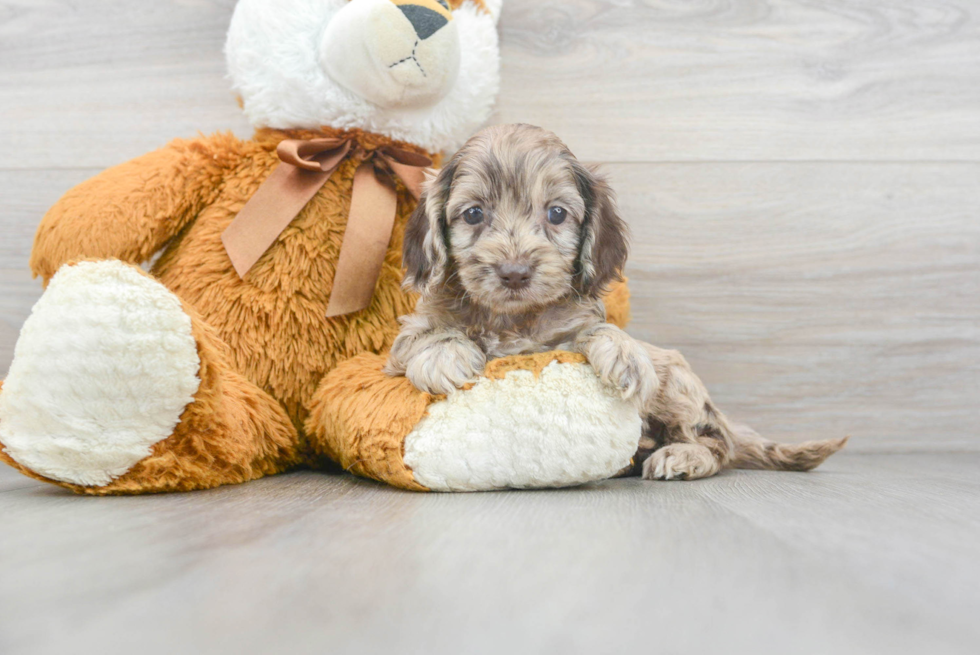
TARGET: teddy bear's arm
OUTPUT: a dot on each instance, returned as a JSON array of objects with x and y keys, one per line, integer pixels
[{"x": 129, "y": 212}]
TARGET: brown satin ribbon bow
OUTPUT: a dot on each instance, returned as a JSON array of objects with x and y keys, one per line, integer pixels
[{"x": 305, "y": 166}]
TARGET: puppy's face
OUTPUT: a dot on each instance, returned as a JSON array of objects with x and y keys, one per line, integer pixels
[
  {"x": 518, "y": 221},
  {"x": 514, "y": 217}
]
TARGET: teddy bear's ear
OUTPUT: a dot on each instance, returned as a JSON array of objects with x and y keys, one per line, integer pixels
[
  {"x": 494, "y": 7},
  {"x": 425, "y": 252},
  {"x": 491, "y": 7}
]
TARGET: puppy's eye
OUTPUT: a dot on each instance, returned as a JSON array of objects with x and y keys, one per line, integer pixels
[
  {"x": 473, "y": 215},
  {"x": 557, "y": 215}
]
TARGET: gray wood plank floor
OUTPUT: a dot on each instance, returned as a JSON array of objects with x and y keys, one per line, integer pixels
[{"x": 870, "y": 554}]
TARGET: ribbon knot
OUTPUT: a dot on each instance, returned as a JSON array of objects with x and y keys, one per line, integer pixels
[{"x": 304, "y": 167}]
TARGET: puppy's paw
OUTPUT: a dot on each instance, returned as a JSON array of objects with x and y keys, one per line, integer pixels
[
  {"x": 620, "y": 361},
  {"x": 446, "y": 365},
  {"x": 680, "y": 461}
]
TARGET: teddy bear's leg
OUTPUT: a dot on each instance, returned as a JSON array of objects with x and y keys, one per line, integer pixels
[
  {"x": 359, "y": 417},
  {"x": 116, "y": 387},
  {"x": 531, "y": 421}
]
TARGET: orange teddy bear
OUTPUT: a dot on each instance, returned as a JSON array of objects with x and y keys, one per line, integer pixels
[{"x": 253, "y": 344}]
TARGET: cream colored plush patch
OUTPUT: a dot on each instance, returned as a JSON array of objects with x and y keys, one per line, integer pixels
[
  {"x": 103, "y": 369},
  {"x": 373, "y": 49},
  {"x": 562, "y": 428}
]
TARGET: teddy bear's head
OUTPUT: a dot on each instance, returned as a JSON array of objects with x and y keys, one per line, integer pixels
[{"x": 421, "y": 71}]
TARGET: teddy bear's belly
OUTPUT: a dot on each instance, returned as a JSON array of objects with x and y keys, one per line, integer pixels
[{"x": 274, "y": 321}]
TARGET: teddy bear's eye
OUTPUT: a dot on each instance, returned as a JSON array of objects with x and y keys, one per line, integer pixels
[
  {"x": 473, "y": 215},
  {"x": 557, "y": 215}
]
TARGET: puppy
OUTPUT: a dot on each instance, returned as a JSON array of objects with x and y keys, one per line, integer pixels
[{"x": 511, "y": 248}]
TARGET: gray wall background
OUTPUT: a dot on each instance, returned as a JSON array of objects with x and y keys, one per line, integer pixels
[{"x": 802, "y": 178}]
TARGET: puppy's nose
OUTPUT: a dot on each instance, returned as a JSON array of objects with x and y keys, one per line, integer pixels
[
  {"x": 514, "y": 276},
  {"x": 426, "y": 16}
]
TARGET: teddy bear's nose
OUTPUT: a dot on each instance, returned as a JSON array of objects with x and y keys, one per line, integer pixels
[{"x": 426, "y": 16}]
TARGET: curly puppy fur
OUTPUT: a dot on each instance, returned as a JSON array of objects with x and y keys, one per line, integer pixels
[{"x": 511, "y": 248}]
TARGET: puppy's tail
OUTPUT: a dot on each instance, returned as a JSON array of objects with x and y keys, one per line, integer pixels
[{"x": 751, "y": 451}]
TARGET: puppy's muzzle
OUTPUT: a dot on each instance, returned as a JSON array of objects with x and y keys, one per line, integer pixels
[{"x": 514, "y": 275}]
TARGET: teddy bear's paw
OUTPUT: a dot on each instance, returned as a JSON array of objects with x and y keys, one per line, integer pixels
[{"x": 102, "y": 371}]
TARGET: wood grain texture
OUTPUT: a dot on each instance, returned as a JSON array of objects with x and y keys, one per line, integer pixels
[
  {"x": 817, "y": 300},
  {"x": 95, "y": 83},
  {"x": 92, "y": 84},
  {"x": 869, "y": 554},
  {"x": 26, "y": 194},
  {"x": 667, "y": 80}
]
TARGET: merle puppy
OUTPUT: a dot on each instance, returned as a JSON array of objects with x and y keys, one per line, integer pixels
[{"x": 511, "y": 248}]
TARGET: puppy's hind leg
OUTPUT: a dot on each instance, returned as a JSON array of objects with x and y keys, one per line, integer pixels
[
  {"x": 695, "y": 439},
  {"x": 686, "y": 457},
  {"x": 698, "y": 440}
]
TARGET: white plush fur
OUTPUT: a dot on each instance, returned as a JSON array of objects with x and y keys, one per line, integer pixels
[
  {"x": 563, "y": 428},
  {"x": 103, "y": 369},
  {"x": 273, "y": 52}
]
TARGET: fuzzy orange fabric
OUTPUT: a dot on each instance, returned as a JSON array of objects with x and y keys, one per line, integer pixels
[
  {"x": 181, "y": 198},
  {"x": 456, "y": 4},
  {"x": 232, "y": 432},
  {"x": 265, "y": 343},
  {"x": 360, "y": 417},
  {"x": 498, "y": 369},
  {"x": 617, "y": 302}
]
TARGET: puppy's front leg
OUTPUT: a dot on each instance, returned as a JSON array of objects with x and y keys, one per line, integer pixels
[
  {"x": 621, "y": 361},
  {"x": 435, "y": 359}
]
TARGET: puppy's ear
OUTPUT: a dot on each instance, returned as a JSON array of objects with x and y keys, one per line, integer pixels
[
  {"x": 425, "y": 252},
  {"x": 604, "y": 243}
]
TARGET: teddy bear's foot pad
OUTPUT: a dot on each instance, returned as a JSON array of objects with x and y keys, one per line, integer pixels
[
  {"x": 559, "y": 428},
  {"x": 103, "y": 369}
]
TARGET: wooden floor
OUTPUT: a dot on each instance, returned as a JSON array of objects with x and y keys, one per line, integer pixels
[
  {"x": 871, "y": 554},
  {"x": 802, "y": 178}
]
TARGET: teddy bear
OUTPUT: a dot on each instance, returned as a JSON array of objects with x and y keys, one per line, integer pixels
[{"x": 218, "y": 310}]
